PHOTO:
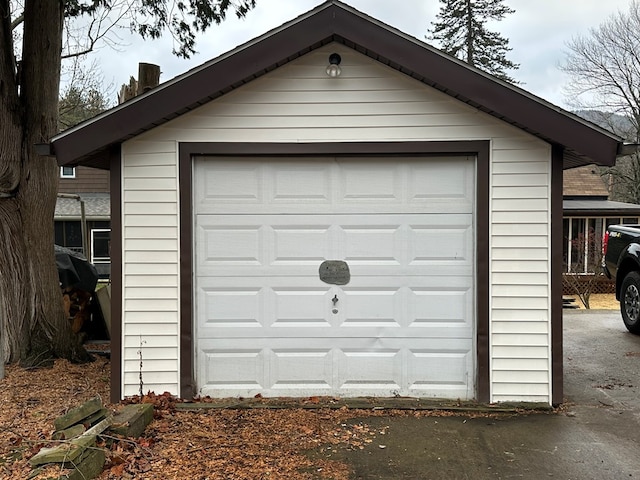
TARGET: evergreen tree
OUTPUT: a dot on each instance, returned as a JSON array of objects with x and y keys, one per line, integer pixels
[
  {"x": 76, "y": 105},
  {"x": 461, "y": 32}
]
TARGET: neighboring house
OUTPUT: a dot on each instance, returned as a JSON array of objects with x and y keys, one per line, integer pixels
[
  {"x": 86, "y": 187},
  {"x": 386, "y": 231},
  {"x": 587, "y": 213}
]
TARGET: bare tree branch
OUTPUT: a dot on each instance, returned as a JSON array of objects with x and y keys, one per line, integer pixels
[{"x": 604, "y": 69}]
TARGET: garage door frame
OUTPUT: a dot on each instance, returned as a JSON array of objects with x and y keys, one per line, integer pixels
[{"x": 479, "y": 149}]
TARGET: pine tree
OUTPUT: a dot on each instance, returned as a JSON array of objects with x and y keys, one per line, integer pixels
[{"x": 461, "y": 32}]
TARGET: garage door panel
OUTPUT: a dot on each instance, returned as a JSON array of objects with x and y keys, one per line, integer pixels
[
  {"x": 439, "y": 367},
  {"x": 446, "y": 307},
  {"x": 302, "y": 369},
  {"x": 359, "y": 271},
  {"x": 237, "y": 369},
  {"x": 299, "y": 244},
  {"x": 373, "y": 370},
  {"x": 329, "y": 186},
  {"x": 230, "y": 183},
  {"x": 230, "y": 244},
  {"x": 329, "y": 334},
  {"x": 368, "y": 307},
  {"x": 433, "y": 242},
  {"x": 450, "y": 179},
  {"x": 377, "y": 244},
  {"x": 352, "y": 367},
  {"x": 301, "y": 308},
  {"x": 370, "y": 181},
  {"x": 311, "y": 185},
  {"x": 388, "y": 240},
  {"x": 429, "y": 307},
  {"x": 230, "y": 307}
]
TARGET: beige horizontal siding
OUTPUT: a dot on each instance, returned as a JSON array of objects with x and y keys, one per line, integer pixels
[
  {"x": 151, "y": 281},
  {"x": 150, "y": 243},
  {"x": 151, "y": 232},
  {"x": 524, "y": 376},
  {"x": 519, "y": 204},
  {"x": 520, "y": 327},
  {"x": 147, "y": 316},
  {"x": 520, "y": 259},
  {"x": 513, "y": 241},
  {"x": 155, "y": 353},
  {"x": 522, "y": 315},
  {"x": 520, "y": 290},
  {"x": 150, "y": 269},
  {"x": 144, "y": 305},
  {"x": 522, "y": 352},
  {"x": 369, "y": 102},
  {"x": 141, "y": 208},
  {"x": 520, "y": 363}
]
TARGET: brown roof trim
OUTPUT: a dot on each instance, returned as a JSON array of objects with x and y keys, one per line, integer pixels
[
  {"x": 601, "y": 213},
  {"x": 478, "y": 148},
  {"x": 598, "y": 208},
  {"x": 335, "y": 21}
]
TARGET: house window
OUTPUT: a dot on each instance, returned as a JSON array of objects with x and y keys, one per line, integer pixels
[
  {"x": 67, "y": 172},
  {"x": 69, "y": 234},
  {"x": 100, "y": 238}
]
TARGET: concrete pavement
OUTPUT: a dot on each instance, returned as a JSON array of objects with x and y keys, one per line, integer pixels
[{"x": 596, "y": 436}]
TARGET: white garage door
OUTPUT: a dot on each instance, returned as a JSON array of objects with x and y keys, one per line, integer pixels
[{"x": 398, "y": 231}]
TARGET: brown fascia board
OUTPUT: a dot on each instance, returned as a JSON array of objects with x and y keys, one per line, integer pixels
[
  {"x": 334, "y": 21},
  {"x": 600, "y": 213}
]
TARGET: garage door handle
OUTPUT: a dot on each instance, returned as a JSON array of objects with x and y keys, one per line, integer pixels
[{"x": 334, "y": 300}]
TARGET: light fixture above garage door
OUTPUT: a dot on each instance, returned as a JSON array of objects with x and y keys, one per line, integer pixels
[{"x": 333, "y": 69}]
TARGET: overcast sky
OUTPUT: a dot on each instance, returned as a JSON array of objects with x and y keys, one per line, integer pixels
[{"x": 537, "y": 32}]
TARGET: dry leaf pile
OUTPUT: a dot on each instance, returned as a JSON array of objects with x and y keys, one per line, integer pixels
[{"x": 203, "y": 444}]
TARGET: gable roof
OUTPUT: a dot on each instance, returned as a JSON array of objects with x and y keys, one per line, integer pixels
[{"x": 89, "y": 143}]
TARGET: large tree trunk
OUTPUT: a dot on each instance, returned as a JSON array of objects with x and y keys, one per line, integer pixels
[{"x": 34, "y": 327}]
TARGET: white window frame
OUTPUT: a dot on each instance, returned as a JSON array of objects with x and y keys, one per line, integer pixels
[
  {"x": 95, "y": 259},
  {"x": 68, "y": 175}
]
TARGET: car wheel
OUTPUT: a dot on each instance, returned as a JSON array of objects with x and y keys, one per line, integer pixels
[{"x": 630, "y": 302}]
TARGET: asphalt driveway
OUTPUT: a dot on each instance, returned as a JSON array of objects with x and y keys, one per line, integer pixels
[{"x": 597, "y": 436}]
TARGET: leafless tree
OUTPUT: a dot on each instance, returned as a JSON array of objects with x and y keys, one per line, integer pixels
[
  {"x": 604, "y": 70},
  {"x": 585, "y": 271}
]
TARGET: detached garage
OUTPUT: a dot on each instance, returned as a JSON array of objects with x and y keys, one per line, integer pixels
[{"x": 384, "y": 231}]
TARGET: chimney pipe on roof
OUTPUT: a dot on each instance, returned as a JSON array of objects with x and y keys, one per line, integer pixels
[{"x": 148, "y": 78}]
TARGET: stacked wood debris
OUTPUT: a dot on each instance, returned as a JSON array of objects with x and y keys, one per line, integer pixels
[
  {"x": 77, "y": 307},
  {"x": 80, "y": 434}
]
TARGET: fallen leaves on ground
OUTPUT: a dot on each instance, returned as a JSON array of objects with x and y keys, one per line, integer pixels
[
  {"x": 206, "y": 444},
  {"x": 212, "y": 444},
  {"x": 30, "y": 400}
]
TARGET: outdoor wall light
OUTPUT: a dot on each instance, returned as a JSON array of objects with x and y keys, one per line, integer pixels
[{"x": 333, "y": 70}]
